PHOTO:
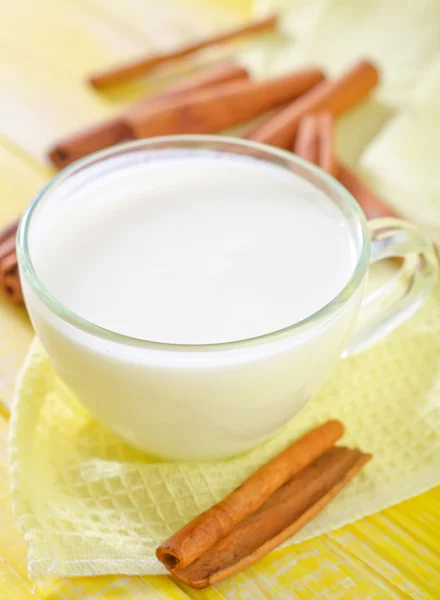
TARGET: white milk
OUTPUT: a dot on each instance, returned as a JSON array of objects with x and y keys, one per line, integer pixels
[
  {"x": 197, "y": 252},
  {"x": 192, "y": 248}
]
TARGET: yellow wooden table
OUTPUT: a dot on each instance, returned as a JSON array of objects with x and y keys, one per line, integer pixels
[{"x": 46, "y": 49}]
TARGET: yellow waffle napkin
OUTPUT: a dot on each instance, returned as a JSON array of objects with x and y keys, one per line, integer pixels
[{"x": 90, "y": 504}]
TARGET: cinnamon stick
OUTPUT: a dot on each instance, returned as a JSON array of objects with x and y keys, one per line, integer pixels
[
  {"x": 306, "y": 142},
  {"x": 372, "y": 205},
  {"x": 222, "y": 72},
  {"x": 12, "y": 287},
  {"x": 92, "y": 139},
  {"x": 7, "y": 246},
  {"x": 8, "y": 264},
  {"x": 9, "y": 278},
  {"x": 9, "y": 230},
  {"x": 141, "y": 67},
  {"x": 114, "y": 131},
  {"x": 285, "y": 512},
  {"x": 202, "y": 533},
  {"x": 326, "y": 151},
  {"x": 315, "y": 141},
  {"x": 219, "y": 107},
  {"x": 336, "y": 96}
]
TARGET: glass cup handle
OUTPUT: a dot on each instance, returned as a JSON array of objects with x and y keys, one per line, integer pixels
[{"x": 402, "y": 295}]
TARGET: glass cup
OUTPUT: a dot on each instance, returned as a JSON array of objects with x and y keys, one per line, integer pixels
[{"x": 202, "y": 402}]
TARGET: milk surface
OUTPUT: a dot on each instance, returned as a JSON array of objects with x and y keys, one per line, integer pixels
[{"x": 194, "y": 249}]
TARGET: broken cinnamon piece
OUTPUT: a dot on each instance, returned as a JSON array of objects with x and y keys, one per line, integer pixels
[
  {"x": 204, "y": 531},
  {"x": 114, "y": 131},
  {"x": 373, "y": 206},
  {"x": 306, "y": 142},
  {"x": 288, "y": 510},
  {"x": 336, "y": 96},
  {"x": 141, "y": 67},
  {"x": 219, "y": 107}
]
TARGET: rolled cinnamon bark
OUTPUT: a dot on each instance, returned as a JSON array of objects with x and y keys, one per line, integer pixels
[
  {"x": 222, "y": 72},
  {"x": 315, "y": 141},
  {"x": 326, "y": 150},
  {"x": 336, "y": 96},
  {"x": 373, "y": 206},
  {"x": 104, "y": 135},
  {"x": 219, "y": 107},
  {"x": 306, "y": 141},
  {"x": 285, "y": 512},
  {"x": 202, "y": 533},
  {"x": 12, "y": 288},
  {"x": 8, "y": 264},
  {"x": 7, "y": 246},
  {"x": 114, "y": 131},
  {"x": 9, "y": 230},
  {"x": 141, "y": 67}
]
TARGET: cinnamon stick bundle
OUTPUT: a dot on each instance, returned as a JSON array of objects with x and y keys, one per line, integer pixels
[
  {"x": 115, "y": 131},
  {"x": 198, "y": 536},
  {"x": 141, "y": 67},
  {"x": 272, "y": 505},
  {"x": 219, "y": 107},
  {"x": 316, "y": 131},
  {"x": 336, "y": 96},
  {"x": 283, "y": 515}
]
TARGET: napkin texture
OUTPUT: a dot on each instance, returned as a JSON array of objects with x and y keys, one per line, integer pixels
[{"x": 90, "y": 504}]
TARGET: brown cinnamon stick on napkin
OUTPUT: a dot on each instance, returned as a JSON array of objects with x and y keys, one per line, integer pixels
[
  {"x": 336, "y": 96},
  {"x": 219, "y": 107},
  {"x": 316, "y": 131},
  {"x": 284, "y": 514},
  {"x": 115, "y": 131},
  {"x": 272, "y": 505},
  {"x": 141, "y": 67},
  {"x": 202, "y": 533}
]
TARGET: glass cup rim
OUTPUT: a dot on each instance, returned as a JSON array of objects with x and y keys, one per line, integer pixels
[{"x": 55, "y": 306}]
